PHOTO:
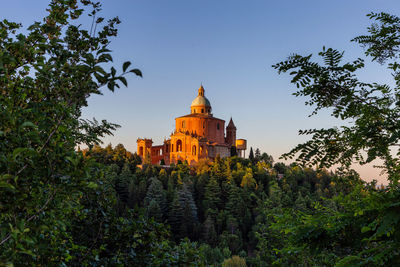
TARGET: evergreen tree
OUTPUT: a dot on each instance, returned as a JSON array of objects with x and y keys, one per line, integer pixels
[
  {"x": 257, "y": 154},
  {"x": 228, "y": 173},
  {"x": 156, "y": 193},
  {"x": 163, "y": 176},
  {"x": 209, "y": 233},
  {"x": 218, "y": 169},
  {"x": 212, "y": 196},
  {"x": 300, "y": 203},
  {"x": 235, "y": 206},
  {"x": 251, "y": 154},
  {"x": 154, "y": 211},
  {"x": 175, "y": 214},
  {"x": 187, "y": 202},
  {"x": 233, "y": 151},
  {"x": 248, "y": 180}
]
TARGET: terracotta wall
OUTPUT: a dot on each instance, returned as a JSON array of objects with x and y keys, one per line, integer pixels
[{"x": 209, "y": 127}]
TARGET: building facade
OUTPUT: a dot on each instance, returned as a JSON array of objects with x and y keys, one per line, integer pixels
[{"x": 198, "y": 135}]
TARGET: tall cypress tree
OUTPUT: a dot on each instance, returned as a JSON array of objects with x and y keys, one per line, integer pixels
[{"x": 251, "y": 154}]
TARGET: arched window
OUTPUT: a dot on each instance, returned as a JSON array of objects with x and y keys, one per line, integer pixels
[
  {"x": 194, "y": 150},
  {"x": 141, "y": 151},
  {"x": 172, "y": 147},
  {"x": 202, "y": 110},
  {"x": 179, "y": 146},
  {"x": 218, "y": 126},
  {"x": 183, "y": 124}
]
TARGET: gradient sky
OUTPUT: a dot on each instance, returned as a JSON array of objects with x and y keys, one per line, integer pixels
[{"x": 229, "y": 46}]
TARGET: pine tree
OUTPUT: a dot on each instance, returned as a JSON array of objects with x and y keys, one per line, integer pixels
[
  {"x": 175, "y": 214},
  {"x": 156, "y": 193},
  {"x": 209, "y": 233},
  {"x": 235, "y": 206},
  {"x": 154, "y": 211},
  {"x": 186, "y": 201},
  {"x": 212, "y": 196},
  {"x": 182, "y": 215}
]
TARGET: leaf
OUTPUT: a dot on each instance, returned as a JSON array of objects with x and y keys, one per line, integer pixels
[
  {"x": 28, "y": 124},
  {"x": 123, "y": 80},
  {"x": 137, "y": 72},
  {"x": 126, "y": 65},
  {"x": 18, "y": 151},
  {"x": 92, "y": 185},
  {"x": 7, "y": 185},
  {"x": 365, "y": 229}
]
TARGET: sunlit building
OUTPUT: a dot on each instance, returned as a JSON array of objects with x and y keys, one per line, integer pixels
[{"x": 198, "y": 135}]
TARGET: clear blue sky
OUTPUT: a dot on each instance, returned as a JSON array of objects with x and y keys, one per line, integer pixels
[{"x": 229, "y": 46}]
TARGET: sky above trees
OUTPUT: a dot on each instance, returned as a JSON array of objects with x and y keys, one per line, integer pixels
[{"x": 229, "y": 46}]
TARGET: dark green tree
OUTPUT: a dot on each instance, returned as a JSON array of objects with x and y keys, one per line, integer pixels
[
  {"x": 189, "y": 212},
  {"x": 212, "y": 196},
  {"x": 251, "y": 154},
  {"x": 257, "y": 154},
  {"x": 175, "y": 213},
  {"x": 155, "y": 193},
  {"x": 209, "y": 233}
]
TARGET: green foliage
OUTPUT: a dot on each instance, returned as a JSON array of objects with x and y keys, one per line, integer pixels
[
  {"x": 59, "y": 206},
  {"x": 361, "y": 226},
  {"x": 251, "y": 154},
  {"x": 235, "y": 261}
]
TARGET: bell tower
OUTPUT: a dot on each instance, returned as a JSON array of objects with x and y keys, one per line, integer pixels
[{"x": 231, "y": 134}]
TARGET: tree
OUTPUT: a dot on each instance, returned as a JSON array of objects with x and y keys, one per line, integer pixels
[
  {"x": 248, "y": 181},
  {"x": 189, "y": 212},
  {"x": 235, "y": 261},
  {"x": 58, "y": 207},
  {"x": 267, "y": 158},
  {"x": 373, "y": 108},
  {"x": 251, "y": 154},
  {"x": 257, "y": 154},
  {"x": 212, "y": 196},
  {"x": 155, "y": 193},
  {"x": 175, "y": 214},
  {"x": 371, "y": 111}
]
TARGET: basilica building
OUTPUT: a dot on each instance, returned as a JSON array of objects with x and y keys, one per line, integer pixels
[{"x": 198, "y": 135}]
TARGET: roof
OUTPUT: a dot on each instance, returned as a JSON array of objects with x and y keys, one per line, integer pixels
[
  {"x": 201, "y": 101},
  {"x": 231, "y": 124}
]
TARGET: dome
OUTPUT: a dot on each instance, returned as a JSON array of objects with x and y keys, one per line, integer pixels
[
  {"x": 201, "y": 101},
  {"x": 201, "y": 105}
]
